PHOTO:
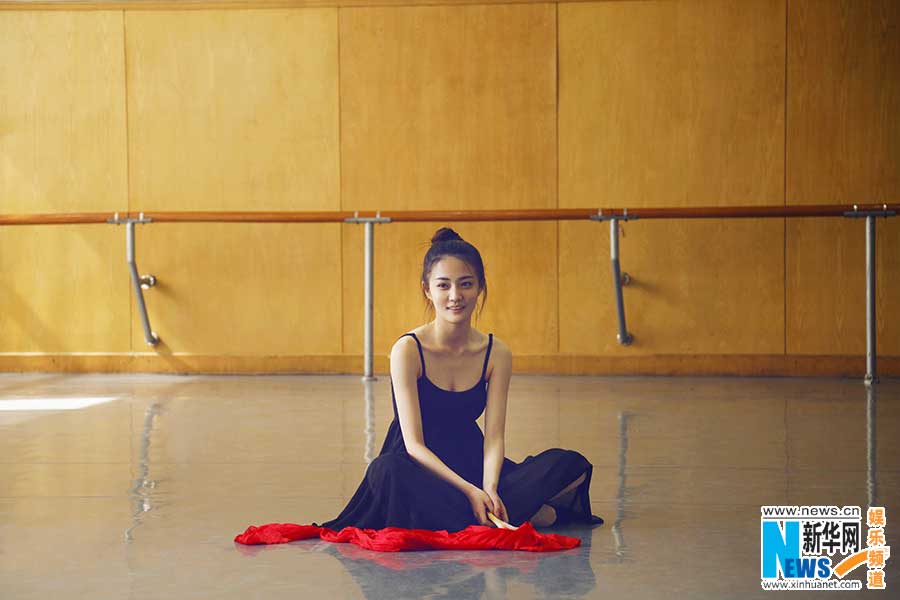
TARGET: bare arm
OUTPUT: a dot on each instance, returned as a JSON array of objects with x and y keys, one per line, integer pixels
[
  {"x": 495, "y": 414},
  {"x": 404, "y": 372}
]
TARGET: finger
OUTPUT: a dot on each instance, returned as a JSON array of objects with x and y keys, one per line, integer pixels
[
  {"x": 499, "y": 509},
  {"x": 488, "y": 511}
]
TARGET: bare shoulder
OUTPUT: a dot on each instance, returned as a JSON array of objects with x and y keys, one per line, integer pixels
[
  {"x": 405, "y": 355},
  {"x": 500, "y": 348},
  {"x": 501, "y": 357}
]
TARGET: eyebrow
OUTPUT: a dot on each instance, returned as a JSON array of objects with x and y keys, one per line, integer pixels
[{"x": 460, "y": 279}]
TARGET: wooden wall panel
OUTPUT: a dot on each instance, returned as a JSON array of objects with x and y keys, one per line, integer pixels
[
  {"x": 237, "y": 111},
  {"x": 62, "y": 112},
  {"x": 843, "y": 146},
  {"x": 826, "y": 286},
  {"x": 62, "y": 149},
  {"x": 448, "y": 107},
  {"x": 451, "y": 108},
  {"x": 698, "y": 288},
  {"x": 238, "y": 289},
  {"x": 673, "y": 104},
  {"x": 520, "y": 267},
  {"x": 233, "y": 110},
  {"x": 63, "y": 289}
]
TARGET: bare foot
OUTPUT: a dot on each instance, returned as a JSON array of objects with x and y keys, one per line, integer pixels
[{"x": 544, "y": 517}]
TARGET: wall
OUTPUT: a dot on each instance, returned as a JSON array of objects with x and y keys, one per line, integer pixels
[{"x": 111, "y": 106}]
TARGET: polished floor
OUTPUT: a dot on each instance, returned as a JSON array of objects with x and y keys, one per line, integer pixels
[{"x": 134, "y": 486}]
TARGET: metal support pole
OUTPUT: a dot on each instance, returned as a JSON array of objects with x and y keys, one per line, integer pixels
[
  {"x": 369, "y": 429},
  {"x": 369, "y": 300},
  {"x": 623, "y": 336},
  {"x": 151, "y": 338},
  {"x": 870, "y": 215},
  {"x": 369, "y": 282},
  {"x": 871, "y": 372}
]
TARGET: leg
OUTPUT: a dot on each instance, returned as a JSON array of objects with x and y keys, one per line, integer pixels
[
  {"x": 546, "y": 514},
  {"x": 565, "y": 495},
  {"x": 544, "y": 517}
]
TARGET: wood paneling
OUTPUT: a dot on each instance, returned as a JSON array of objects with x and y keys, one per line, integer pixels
[
  {"x": 451, "y": 108},
  {"x": 235, "y": 289},
  {"x": 62, "y": 149},
  {"x": 843, "y": 146},
  {"x": 233, "y": 110},
  {"x": 448, "y": 107},
  {"x": 697, "y": 288},
  {"x": 62, "y": 112},
  {"x": 672, "y": 104},
  {"x": 712, "y": 102},
  {"x": 63, "y": 289},
  {"x": 826, "y": 286},
  {"x": 520, "y": 267},
  {"x": 844, "y": 97}
]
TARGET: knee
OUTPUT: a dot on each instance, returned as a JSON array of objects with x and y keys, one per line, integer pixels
[
  {"x": 579, "y": 459},
  {"x": 385, "y": 466}
]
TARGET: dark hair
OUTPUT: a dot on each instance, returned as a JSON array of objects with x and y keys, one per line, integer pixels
[{"x": 446, "y": 242}]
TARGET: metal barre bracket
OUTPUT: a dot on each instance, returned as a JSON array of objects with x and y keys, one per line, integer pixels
[
  {"x": 859, "y": 214},
  {"x": 623, "y": 217},
  {"x": 357, "y": 220},
  {"x": 137, "y": 282},
  {"x": 619, "y": 278},
  {"x": 141, "y": 220}
]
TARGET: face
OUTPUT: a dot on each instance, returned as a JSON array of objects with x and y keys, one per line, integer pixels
[{"x": 453, "y": 289}]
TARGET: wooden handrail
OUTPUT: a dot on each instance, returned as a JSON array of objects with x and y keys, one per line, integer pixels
[
  {"x": 541, "y": 214},
  {"x": 55, "y": 219}
]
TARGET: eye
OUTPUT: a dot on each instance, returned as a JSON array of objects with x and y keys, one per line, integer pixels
[{"x": 467, "y": 284}]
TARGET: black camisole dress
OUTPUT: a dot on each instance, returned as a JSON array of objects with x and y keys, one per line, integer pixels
[{"x": 397, "y": 491}]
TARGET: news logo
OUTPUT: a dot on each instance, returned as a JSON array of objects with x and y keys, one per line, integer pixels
[{"x": 817, "y": 547}]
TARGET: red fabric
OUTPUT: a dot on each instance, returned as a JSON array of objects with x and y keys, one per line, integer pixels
[{"x": 397, "y": 539}]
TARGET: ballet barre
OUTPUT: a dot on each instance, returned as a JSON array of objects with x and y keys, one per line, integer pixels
[{"x": 615, "y": 216}]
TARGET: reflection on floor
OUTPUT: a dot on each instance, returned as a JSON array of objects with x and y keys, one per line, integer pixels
[{"x": 134, "y": 486}]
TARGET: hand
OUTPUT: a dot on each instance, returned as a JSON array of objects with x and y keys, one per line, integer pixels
[
  {"x": 499, "y": 509},
  {"x": 481, "y": 503}
]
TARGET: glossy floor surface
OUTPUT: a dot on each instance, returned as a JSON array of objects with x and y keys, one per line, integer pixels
[{"x": 134, "y": 486}]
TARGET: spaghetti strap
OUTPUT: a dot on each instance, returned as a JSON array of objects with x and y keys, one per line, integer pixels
[
  {"x": 421, "y": 355},
  {"x": 486, "y": 356}
]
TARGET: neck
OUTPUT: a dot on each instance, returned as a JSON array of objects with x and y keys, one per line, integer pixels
[{"x": 452, "y": 336}]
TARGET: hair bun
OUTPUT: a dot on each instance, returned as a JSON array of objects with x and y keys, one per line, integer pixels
[{"x": 445, "y": 234}]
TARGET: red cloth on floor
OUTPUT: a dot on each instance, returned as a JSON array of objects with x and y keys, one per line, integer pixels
[{"x": 397, "y": 539}]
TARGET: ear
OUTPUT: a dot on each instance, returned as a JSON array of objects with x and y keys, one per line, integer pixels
[{"x": 426, "y": 292}]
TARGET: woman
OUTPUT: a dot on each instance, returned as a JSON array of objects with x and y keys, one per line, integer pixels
[{"x": 436, "y": 470}]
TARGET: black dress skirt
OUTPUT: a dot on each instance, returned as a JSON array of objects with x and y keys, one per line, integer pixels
[{"x": 397, "y": 491}]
